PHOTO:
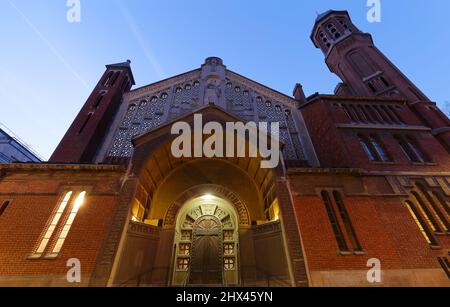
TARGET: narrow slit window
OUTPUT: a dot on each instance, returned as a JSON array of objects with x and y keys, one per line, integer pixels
[
  {"x": 426, "y": 212},
  {"x": 334, "y": 222},
  {"x": 53, "y": 224},
  {"x": 4, "y": 206},
  {"x": 108, "y": 78},
  {"x": 88, "y": 118},
  {"x": 443, "y": 202},
  {"x": 417, "y": 150},
  {"x": 379, "y": 149},
  {"x": 426, "y": 232},
  {"x": 347, "y": 221},
  {"x": 114, "y": 79},
  {"x": 99, "y": 100},
  {"x": 368, "y": 149},
  {"x": 65, "y": 231},
  {"x": 407, "y": 150},
  {"x": 434, "y": 208}
]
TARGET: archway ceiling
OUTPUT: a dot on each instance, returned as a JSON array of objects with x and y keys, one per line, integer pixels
[{"x": 162, "y": 163}]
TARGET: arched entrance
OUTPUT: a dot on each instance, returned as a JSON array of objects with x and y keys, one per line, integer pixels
[
  {"x": 206, "y": 243},
  {"x": 168, "y": 191}
]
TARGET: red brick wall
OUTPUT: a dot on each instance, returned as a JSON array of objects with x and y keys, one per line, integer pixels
[
  {"x": 33, "y": 200},
  {"x": 339, "y": 147},
  {"x": 383, "y": 226},
  {"x": 326, "y": 139}
]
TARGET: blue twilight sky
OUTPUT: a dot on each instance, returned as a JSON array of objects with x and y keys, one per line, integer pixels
[{"x": 49, "y": 66}]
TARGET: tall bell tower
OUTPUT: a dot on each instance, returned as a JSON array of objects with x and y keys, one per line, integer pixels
[
  {"x": 83, "y": 139},
  {"x": 366, "y": 71}
]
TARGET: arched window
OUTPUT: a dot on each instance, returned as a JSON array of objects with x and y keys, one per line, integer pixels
[
  {"x": 373, "y": 148},
  {"x": 411, "y": 149},
  {"x": 187, "y": 87},
  {"x": 229, "y": 85},
  {"x": 381, "y": 152},
  {"x": 164, "y": 96},
  {"x": 422, "y": 156},
  {"x": 334, "y": 222},
  {"x": 68, "y": 224},
  {"x": 196, "y": 84},
  {"x": 99, "y": 100},
  {"x": 427, "y": 213},
  {"x": 246, "y": 93},
  {"x": 333, "y": 30},
  {"x": 420, "y": 222},
  {"x": 259, "y": 99},
  {"x": 442, "y": 201},
  {"x": 278, "y": 108},
  {"x": 347, "y": 221},
  {"x": 4, "y": 206},
  {"x": 114, "y": 78},
  {"x": 124, "y": 83},
  {"x": 154, "y": 99},
  {"x": 108, "y": 78},
  {"x": 367, "y": 146},
  {"x": 88, "y": 118},
  {"x": 434, "y": 208},
  {"x": 178, "y": 90},
  {"x": 237, "y": 89},
  {"x": 268, "y": 103}
]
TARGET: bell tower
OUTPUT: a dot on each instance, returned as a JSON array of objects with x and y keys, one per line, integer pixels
[
  {"x": 366, "y": 71},
  {"x": 82, "y": 140}
]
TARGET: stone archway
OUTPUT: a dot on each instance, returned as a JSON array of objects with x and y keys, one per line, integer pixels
[
  {"x": 217, "y": 190},
  {"x": 158, "y": 179}
]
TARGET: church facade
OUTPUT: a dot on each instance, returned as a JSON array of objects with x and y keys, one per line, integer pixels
[{"x": 363, "y": 179}]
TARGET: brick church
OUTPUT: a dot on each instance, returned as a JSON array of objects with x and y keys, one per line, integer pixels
[{"x": 364, "y": 174}]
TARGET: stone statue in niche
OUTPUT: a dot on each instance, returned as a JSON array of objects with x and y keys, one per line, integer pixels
[{"x": 213, "y": 92}]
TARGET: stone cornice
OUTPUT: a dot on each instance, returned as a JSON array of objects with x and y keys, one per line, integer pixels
[
  {"x": 383, "y": 127},
  {"x": 60, "y": 167},
  {"x": 361, "y": 172}
]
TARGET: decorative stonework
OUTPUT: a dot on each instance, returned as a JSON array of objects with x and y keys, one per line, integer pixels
[
  {"x": 143, "y": 230},
  {"x": 263, "y": 90},
  {"x": 156, "y": 104},
  {"x": 162, "y": 85},
  {"x": 267, "y": 228},
  {"x": 241, "y": 209},
  {"x": 402, "y": 184}
]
